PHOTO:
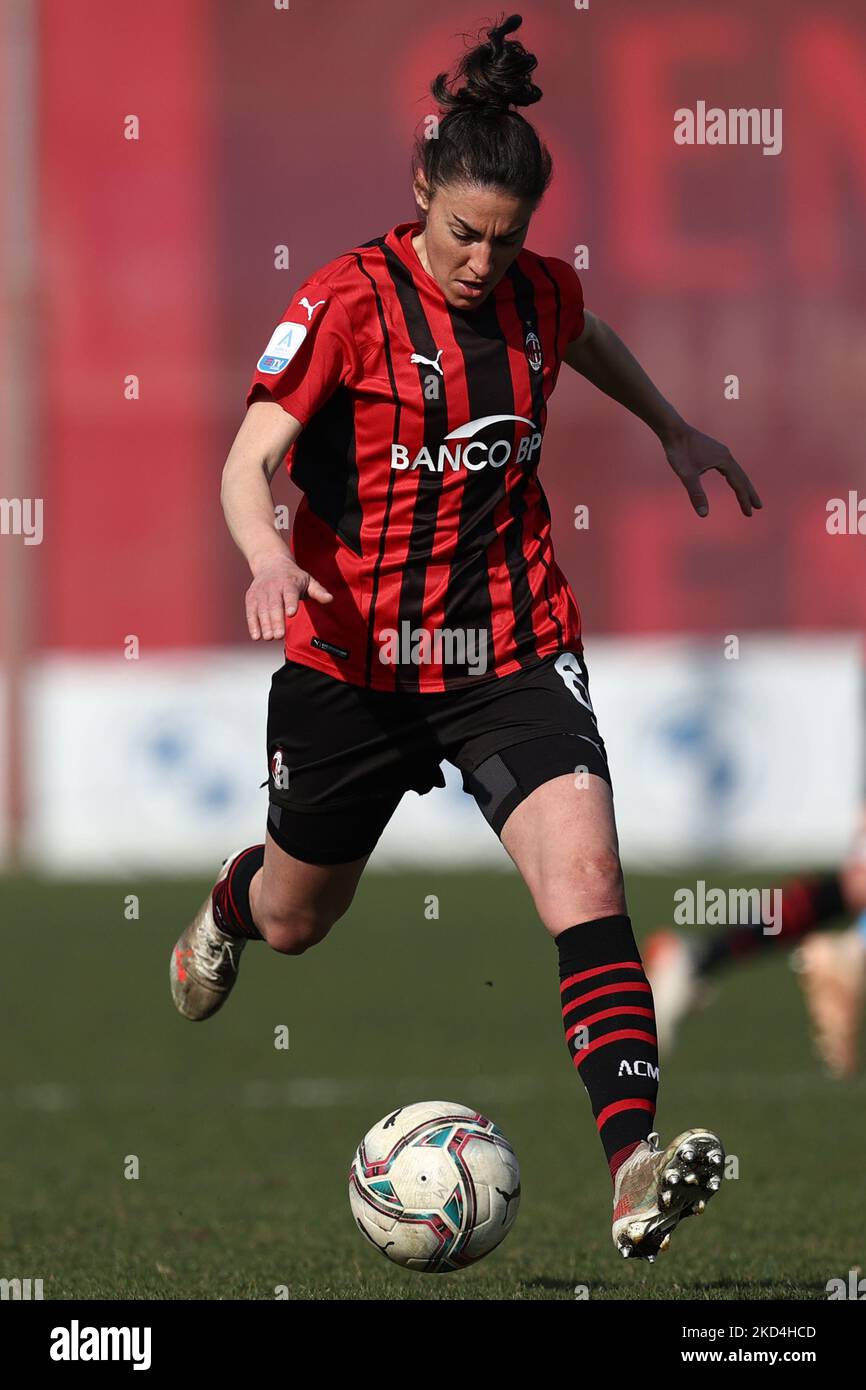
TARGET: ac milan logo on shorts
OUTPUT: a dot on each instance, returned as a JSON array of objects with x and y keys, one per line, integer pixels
[
  {"x": 279, "y": 771},
  {"x": 533, "y": 351}
]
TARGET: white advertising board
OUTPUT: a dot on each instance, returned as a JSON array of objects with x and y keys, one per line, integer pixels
[{"x": 156, "y": 765}]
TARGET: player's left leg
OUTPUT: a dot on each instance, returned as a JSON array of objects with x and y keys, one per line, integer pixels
[
  {"x": 562, "y": 837},
  {"x": 531, "y": 754}
]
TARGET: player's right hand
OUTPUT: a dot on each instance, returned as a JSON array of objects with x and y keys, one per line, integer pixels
[{"x": 277, "y": 589}]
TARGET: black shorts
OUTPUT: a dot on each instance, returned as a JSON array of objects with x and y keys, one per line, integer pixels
[{"x": 341, "y": 756}]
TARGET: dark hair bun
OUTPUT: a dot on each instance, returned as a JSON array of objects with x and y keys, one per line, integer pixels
[{"x": 497, "y": 74}]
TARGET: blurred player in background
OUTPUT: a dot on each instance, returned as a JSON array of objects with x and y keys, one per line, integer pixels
[
  {"x": 831, "y": 965},
  {"x": 410, "y": 379}
]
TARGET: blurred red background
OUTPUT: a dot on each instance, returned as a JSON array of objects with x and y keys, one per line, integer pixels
[{"x": 262, "y": 127}]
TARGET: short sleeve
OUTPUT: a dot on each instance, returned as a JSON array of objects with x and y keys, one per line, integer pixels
[
  {"x": 309, "y": 354},
  {"x": 571, "y": 299}
]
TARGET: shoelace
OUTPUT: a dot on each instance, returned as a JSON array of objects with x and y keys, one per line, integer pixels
[{"x": 215, "y": 957}]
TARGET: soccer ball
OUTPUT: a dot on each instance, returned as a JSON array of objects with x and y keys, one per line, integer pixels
[{"x": 435, "y": 1186}]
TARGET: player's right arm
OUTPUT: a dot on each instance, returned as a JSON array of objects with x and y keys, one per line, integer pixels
[{"x": 265, "y": 436}]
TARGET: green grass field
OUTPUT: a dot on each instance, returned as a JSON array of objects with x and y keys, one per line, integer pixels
[{"x": 243, "y": 1150}]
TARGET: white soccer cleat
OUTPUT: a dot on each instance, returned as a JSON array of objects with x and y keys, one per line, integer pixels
[
  {"x": 205, "y": 961},
  {"x": 832, "y": 973},
  {"x": 676, "y": 986},
  {"x": 655, "y": 1189}
]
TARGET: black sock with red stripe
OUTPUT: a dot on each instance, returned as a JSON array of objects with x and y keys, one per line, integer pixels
[
  {"x": 231, "y": 897},
  {"x": 808, "y": 904},
  {"x": 607, "y": 1010}
]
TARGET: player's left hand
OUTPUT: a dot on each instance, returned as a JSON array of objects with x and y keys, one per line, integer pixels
[{"x": 691, "y": 453}]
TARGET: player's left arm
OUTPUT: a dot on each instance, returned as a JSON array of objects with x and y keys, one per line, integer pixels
[{"x": 603, "y": 358}]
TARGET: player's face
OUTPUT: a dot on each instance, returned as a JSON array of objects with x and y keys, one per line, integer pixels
[{"x": 470, "y": 239}]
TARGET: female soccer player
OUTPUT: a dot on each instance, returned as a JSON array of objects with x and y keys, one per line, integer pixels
[
  {"x": 423, "y": 612},
  {"x": 831, "y": 965}
]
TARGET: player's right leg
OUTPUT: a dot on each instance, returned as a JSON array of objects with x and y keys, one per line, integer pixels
[
  {"x": 340, "y": 758},
  {"x": 261, "y": 893}
]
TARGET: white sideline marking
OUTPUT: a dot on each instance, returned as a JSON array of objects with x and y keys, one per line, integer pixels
[
  {"x": 319, "y": 1092},
  {"x": 300, "y": 1093}
]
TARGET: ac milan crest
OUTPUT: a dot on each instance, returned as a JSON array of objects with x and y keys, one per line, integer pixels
[{"x": 533, "y": 350}]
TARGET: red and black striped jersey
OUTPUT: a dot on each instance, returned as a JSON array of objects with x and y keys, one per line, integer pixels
[{"x": 423, "y": 424}]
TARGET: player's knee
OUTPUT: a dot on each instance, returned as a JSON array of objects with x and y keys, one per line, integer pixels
[
  {"x": 603, "y": 867},
  {"x": 596, "y": 870},
  {"x": 293, "y": 931},
  {"x": 590, "y": 882}
]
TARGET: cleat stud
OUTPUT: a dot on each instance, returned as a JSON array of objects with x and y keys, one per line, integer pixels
[
  {"x": 625, "y": 1250},
  {"x": 666, "y": 1242},
  {"x": 691, "y": 1178},
  {"x": 666, "y": 1197},
  {"x": 672, "y": 1176},
  {"x": 650, "y": 1259},
  {"x": 714, "y": 1184},
  {"x": 687, "y": 1155},
  {"x": 715, "y": 1157},
  {"x": 699, "y": 1207}
]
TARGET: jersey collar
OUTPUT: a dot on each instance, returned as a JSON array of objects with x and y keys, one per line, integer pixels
[{"x": 400, "y": 240}]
